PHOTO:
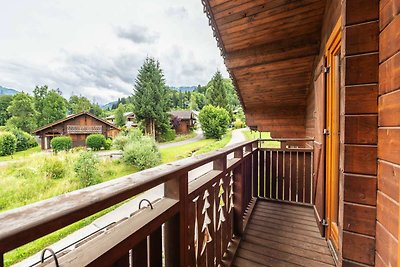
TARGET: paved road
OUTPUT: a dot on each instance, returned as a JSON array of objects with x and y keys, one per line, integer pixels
[
  {"x": 125, "y": 210},
  {"x": 198, "y": 137}
]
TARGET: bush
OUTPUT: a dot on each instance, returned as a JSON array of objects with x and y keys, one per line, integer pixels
[
  {"x": 168, "y": 136},
  {"x": 8, "y": 143},
  {"x": 143, "y": 153},
  {"x": 54, "y": 168},
  {"x": 108, "y": 144},
  {"x": 238, "y": 124},
  {"x": 214, "y": 121},
  {"x": 123, "y": 139},
  {"x": 95, "y": 141},
  {"x": 86, "y": 168},
  {"x": 24, "y": 140},
  {"x": 61, "y": 143}
]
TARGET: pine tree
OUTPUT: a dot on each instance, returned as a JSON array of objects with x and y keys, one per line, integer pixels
[
  {"x": 216, "y": 92},
  {"x": 151, "y": 98},
  {"x": 119, "y": 116}
]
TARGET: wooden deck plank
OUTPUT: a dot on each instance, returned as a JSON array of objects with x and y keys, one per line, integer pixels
[{"x": 279, "y": 234}]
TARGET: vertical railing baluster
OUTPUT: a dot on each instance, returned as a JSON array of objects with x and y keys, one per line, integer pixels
[
  {"x": 238, "y": 174},
  {"x": 140, "y": 254},
  {"x": 262, "y": 174},
  {"x": 155, "y": 248},
  {"x": 255, "y": 169},
  {"x": 124, "y": 261}
]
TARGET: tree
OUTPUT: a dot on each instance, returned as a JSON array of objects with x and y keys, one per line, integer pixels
[
  {"x": 79, "y": 104},
  {"x": 214, "y": 121},
  {"x": 49, "y": 104},
  {"x": 151, "y": 98},
  {"x": 5, "y": 101},
  {"x": 23, "y": 113},
  {"x": 119, "y": 116},
  {"x": 216, "y": 91},
  {"x": 96, "y": 110},
  {"x": 197, "y": 101}
]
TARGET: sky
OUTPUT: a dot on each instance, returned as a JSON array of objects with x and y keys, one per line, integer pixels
[{"x": 95, "y": 48}]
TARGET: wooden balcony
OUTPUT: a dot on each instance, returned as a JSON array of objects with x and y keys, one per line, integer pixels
[{"x": 253, "y": 207}]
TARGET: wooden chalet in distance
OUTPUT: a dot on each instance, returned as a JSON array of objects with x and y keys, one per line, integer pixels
[
  {"x": 323, "y": 76},
  {"x": 185, "y": 120},
  {"x": 78, "y": 127}
]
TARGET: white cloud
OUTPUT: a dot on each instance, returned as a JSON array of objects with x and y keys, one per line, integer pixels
[{"x": 95, "y": 47}]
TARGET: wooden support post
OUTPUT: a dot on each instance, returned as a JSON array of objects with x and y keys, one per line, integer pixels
[
  {"x": 239, "y": 206},
  {"x": 176, "y": 243},
  {"x": 238, "y": 153},
  {"x": 248, "y": 148},
  {"x": 255, "y": 173},
  {"x": 139, "y": 254},
  {"x": 220, "y": 164},
  {"x": 155, "y": 246}
]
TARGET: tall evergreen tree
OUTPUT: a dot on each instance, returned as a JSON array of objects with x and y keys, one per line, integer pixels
[
  {"x": 5, "y": 101},
  {"x": 119, "y": 115},
  {"x": 23, "y": 113},
  {"x": 216, "y": 91},
  {"x": 151, "y": 98}
]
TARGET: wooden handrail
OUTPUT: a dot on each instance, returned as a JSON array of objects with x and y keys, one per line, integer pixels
[{"x": 27, "y": 223}]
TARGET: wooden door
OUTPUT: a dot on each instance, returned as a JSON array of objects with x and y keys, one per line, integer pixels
[{"x": 332, "y": 132}]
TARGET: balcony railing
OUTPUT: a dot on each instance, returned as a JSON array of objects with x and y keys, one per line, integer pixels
[{"x": 196, "y": 222}]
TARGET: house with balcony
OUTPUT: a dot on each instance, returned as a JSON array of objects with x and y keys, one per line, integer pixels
[{"x": 323, "y": 76}]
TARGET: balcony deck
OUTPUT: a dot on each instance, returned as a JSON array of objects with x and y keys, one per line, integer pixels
[{"x": 280, "y": 234}]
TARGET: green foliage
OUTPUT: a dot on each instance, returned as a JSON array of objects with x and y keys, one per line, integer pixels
[
  {"x": 96, "y": 110},
  {"x": 24, "y": 139},
  {"x": 197, "y": 101},
  {"x": 95, "y": 141},
  {"x": 23, "y": 113},
  {"x": 61, "y": 143},
  {"x": 168, "y": 136},
  {"x": 8, "y": 143},
  {"x": 49, "y": 104},
  {"x": 216, "y": 92},
  {"x": 5, "y": 101},
  {"x": 238, "y": 124},
  {"x": 79, "y": 104},
  {"x": 151, "y": 98},
  {"x": 119, "y": 116},
  {"x": 143, "y": 154},
  {"x": 121, "y": 140},
  {"x": 214, "y": 121},
  {"x": 108, "y": 144},
  {"x": 54, "y": 168},
  {"x": 86, "y": 168}
]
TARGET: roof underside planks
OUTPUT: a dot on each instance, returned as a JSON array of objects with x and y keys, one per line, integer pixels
[{"x": 270, "y": 48}]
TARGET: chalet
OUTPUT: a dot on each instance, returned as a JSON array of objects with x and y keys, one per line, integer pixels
[
  {"x": 182, "y": 120},
  {"x": 78, "y": 127},
  {"x": 130, "y": 119},
  {"x": 323, "y": 76}
]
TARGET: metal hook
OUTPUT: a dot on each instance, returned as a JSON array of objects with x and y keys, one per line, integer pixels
[
  {"x": 52, "y": 253},
  {"x": 140, "y": 203}
]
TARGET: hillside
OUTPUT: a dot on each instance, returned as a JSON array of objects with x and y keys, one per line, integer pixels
[{"x": 7, "y": 91}]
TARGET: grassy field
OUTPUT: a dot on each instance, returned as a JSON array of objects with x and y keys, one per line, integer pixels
[
  {"x": 21, "y": 154},
  {"x": 250, "y": 135},
  {"x": 181, "y": 137},
  {"x": 199, "y": 147},
  {"x": 23, "y": 183}
]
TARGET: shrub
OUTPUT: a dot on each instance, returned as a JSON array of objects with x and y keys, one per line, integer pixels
[
  {"x": 61, "y": 143},
  {"x": 24, "y": 140},
  {"x": 108, "y": 144},
  {"x": 8, "y": 143},
  {"x": 123, "y": 139},
  {"x": 238, "y": 124},
  {"x": 168, "y": 136},
  {"x": 95, "y": 141},
  {"x": 54, "y": 168},
  {"x": 86, "y": 168},
  {"x": 143, "y": 154},
  {"x": 214, "y": 121}
]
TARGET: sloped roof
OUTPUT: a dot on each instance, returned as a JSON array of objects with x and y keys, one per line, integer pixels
[
  {"x": 73, "y": 116},
  {"x": 182, "y": 114}
]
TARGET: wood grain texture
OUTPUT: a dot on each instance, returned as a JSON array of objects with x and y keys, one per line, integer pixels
[
  {"x": 389, "y": 109},
  {"x": 389, "y": 40},
  {"x": 386, "y": 246},
  {"x": 361, "y": 99},
  {"x": 387, "y": 213},
  {"x": 359, "y": 218},
  {"x": 358, "y": 11},
  {"x": 388, "y": 9},
  {"x": 360, "y": 159},
  {"x": 362, "y": 69},
  {"x": 389, "y": 74},
  {"x": 360, "y": 189},
  {"x": 389, "y": 179},
  {"x": 361, "y": 129},
  {"x": 362, "y": 38},
  {"x": 359, "y": 248},
  {"x": 389, "y": 144}
]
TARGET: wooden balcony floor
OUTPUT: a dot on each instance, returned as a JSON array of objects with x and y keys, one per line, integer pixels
[{"x": 282, "y": 235}]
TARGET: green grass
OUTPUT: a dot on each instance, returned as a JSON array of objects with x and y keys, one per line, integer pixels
[
  {"x": 250, "y": 135},
  {"x": 21, "y": 154},
  {"x": 181, "y": 137},
  {"x": 176, "y": 153},
  {"x": 23, "y": 183}
]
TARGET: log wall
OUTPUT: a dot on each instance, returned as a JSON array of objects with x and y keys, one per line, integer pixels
[{"x": 388, "y": 134}]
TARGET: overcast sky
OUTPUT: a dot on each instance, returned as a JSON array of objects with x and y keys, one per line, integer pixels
[{"x": 95, "y": 47}]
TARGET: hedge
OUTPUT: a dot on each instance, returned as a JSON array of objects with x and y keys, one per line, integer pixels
[
  {"x": 61, "y": 143},
  {"x": 95, "y": 141},
  {"x": 8, "y": 143}
]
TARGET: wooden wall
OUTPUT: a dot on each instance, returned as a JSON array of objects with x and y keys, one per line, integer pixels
[
  {"x": 358, "y": 144},
  {"x": 388, "y": 134}
]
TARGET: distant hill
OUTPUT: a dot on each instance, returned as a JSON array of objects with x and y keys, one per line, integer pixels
[
  {"x": 7, "y": 91},
  {"x": 109, "y": 105},
  {"x": 185, "y": 88}
]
